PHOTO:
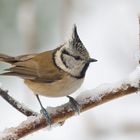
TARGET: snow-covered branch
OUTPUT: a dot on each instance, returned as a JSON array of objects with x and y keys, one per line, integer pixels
[
  {"x": 20, "y": 107},
  {"x": 87, "y": 100}
]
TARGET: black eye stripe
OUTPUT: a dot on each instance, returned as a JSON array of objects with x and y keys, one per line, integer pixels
[
  {"x": 75, "y": 57},
  {"x": 66, "y": 52}
]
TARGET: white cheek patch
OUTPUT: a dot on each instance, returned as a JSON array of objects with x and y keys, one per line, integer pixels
[{"x": 70, "y": 62}]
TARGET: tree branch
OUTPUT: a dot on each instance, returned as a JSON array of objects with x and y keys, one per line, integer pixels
[
  {"x": 139, "y": 48},
  {"x": 139, "y": 39},
  {"x": 18, "y": 106},
  {"x": 87, "y": 100}
]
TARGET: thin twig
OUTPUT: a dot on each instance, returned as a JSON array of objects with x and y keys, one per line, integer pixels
[
  {"x": 20, "y": 107},
  {"x": 139, "y": 47},
  {"x": 139, "y": 38}
]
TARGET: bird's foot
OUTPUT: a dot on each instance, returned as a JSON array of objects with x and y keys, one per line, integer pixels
[
  {"x": 75, "y": 104},
  {"x": 46, "y": 115}
]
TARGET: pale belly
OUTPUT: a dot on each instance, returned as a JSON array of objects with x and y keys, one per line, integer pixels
[{"x": 59, "y": 88}]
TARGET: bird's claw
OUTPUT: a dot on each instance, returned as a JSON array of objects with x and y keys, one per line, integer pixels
[
  {"x": 75, "y": 104},
  {"x": 46, "y": 115}
]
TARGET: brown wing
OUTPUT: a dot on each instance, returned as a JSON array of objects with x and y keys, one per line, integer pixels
[{"x": 39, "y": 68}]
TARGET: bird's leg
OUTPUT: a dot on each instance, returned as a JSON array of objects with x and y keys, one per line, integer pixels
[
  {"x": 44, "y": 111},
  {"x": 75, "y": 104}
]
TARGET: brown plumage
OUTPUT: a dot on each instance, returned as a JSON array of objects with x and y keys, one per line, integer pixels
[
  {"x": 32, "y": 67},
  {"x": 41, "y": 74},
  {"x": 54, "y": 73}
]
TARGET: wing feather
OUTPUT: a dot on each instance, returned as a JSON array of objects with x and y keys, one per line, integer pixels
[{"x": 36, "y": 67}]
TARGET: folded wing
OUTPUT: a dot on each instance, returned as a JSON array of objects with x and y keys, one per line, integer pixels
[{"x": 36, "y": 67}]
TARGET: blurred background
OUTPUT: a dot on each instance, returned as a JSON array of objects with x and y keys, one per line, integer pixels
[{"x": 108, "y": 29}]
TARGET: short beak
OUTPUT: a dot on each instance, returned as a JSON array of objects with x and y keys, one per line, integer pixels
[{"x": 92, "y": 60}]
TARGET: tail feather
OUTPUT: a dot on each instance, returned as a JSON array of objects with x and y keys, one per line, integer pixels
[
  {"x": 12, "y": 60},
  {"x": 21, "y": 71},
  {"x": 7, "y": 58}
]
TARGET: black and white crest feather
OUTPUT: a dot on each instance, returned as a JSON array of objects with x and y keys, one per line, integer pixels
[
  {"x": 73, "y": 57},
  {"x": 77, "y": 44},
  {"x": 75, "y": 38}
]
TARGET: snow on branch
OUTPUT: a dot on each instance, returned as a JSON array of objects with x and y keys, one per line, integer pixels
[
  {"x": 20, "y": 107},
  {"x": 87, "y": 100}
]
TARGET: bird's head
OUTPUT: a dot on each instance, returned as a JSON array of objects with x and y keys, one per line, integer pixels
[{"x": 73, "y": 57}]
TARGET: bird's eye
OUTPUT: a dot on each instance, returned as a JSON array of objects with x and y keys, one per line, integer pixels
[{"x": 77, "y": 57}]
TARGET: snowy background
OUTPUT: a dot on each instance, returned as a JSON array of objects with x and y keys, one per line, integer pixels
[{"x": 109, "y": 30}]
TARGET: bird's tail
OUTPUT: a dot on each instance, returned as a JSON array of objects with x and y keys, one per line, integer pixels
[
  {"x": 18, "y": 68},
  {"x": 7, "y": 58}
]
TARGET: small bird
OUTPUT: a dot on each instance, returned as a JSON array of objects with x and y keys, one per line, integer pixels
[{"x": 54, "y": 73}]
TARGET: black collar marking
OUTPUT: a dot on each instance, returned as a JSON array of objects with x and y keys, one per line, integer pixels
[
  {"x": 54, "y": 57},
  {"x": 83, "y": 72}
]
